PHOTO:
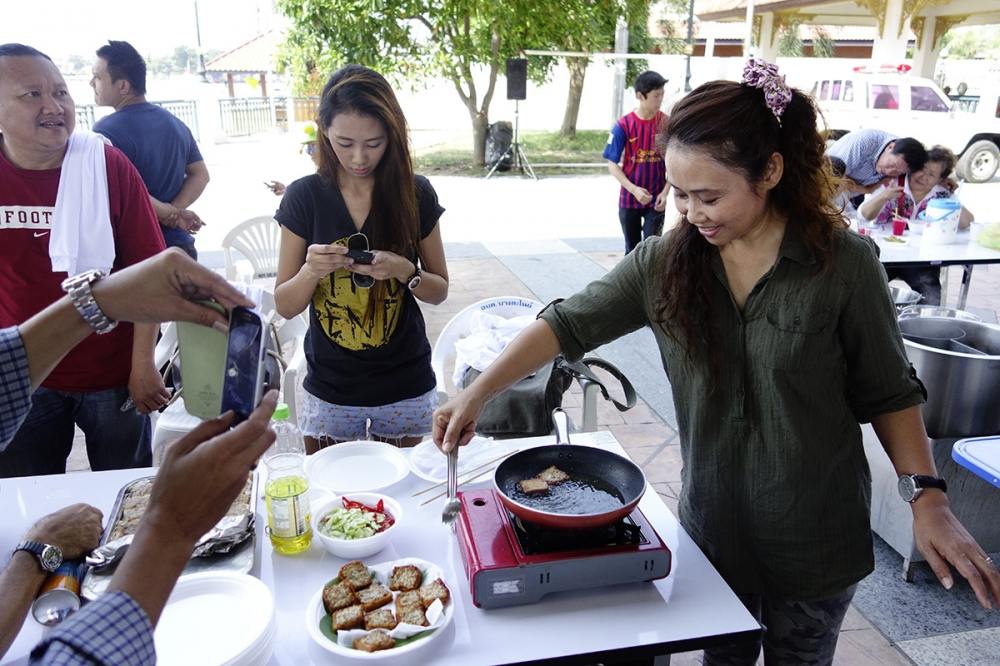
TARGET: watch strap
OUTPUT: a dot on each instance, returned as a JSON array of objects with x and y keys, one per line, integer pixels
[
  {"x": 36, "y": 548},
  {"x": 413, "y": 281},
  {"x": 78, "y": 288},
  {"x": 923, "y": 481}
]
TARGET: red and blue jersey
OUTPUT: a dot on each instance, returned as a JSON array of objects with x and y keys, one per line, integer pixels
[{"x": 633, "y": 142}]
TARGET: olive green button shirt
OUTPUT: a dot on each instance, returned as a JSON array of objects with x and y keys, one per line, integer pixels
[{"x": 776, "y": 486}]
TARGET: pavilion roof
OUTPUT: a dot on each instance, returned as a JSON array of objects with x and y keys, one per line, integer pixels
[{"x": 258, "y": 54}]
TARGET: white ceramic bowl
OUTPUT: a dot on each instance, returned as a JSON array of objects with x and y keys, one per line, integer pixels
[{"x": 353, "y": 549}]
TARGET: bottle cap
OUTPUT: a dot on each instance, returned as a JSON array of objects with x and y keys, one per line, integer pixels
[{"x": 280, "y": 412}]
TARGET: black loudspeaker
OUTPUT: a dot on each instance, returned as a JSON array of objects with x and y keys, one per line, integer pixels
[{"x": 517, "y": 78}]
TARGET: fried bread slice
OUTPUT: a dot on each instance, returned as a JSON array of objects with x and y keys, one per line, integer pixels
[
  {"x": 407, "y": 601},
  {"x": 356, "y": 574},
  {"x": 376, "y": 640},
  {"x": 352, "y": 617},
  {"x": 337, "y": 596},
  {"x": 380, "y": 619},
  {"x": 553, "y": 475},
  {"x": 374, "y": 596},
  {"x": 433, "y": 590},
  {"x": 533, "y": 486},
  {"x": 415, "y": 616},
  {"x": 405, "y": 578}
]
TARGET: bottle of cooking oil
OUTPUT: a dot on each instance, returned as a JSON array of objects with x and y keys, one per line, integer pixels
[{"x": 286, "y": 492}]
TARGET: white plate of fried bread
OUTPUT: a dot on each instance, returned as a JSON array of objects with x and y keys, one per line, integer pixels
[{"x": 380, "y": 611}]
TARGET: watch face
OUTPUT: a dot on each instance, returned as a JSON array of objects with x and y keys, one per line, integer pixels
[
  {"x": 414, "y": 282},
  {"x": 51, "y": 558},
  {"x": 907, "y": 488}
]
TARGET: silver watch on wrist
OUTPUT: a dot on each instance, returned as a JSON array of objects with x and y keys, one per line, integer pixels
[
  {"x": 49, "y": 557},
  {"x": 78, "y": 288}
]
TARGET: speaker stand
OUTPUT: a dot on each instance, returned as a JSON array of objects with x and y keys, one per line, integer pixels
[{"x": 514, "y": 151}]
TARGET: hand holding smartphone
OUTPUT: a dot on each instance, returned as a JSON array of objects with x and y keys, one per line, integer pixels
[
  {"x": 243, "y": 376},
  {"x": 361, "y": 256}
]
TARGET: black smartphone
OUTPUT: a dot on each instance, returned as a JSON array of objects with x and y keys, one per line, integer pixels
[
  {"x": 361, "y": 256},
  {"x": 243, "y": 376}
]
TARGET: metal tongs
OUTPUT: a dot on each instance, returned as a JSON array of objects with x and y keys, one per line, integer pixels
[{"x": 453, "y": 506}]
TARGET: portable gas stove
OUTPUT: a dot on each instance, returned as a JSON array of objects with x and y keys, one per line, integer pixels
[{"x": 509, "y": 562}]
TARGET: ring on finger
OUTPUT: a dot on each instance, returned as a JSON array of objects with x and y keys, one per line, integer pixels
[{"x": 989, "y": 560}]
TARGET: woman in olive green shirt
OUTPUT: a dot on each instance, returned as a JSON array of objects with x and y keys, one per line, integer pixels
[{"x": 778, "y": 336}]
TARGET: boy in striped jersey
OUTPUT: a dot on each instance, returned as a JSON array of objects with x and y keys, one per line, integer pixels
[{"x": 641, "y": 173}]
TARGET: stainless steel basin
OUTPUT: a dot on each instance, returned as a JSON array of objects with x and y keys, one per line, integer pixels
[{"x": 959, "y": 363}]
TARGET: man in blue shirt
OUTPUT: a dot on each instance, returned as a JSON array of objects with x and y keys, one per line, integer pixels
[
  {"x": 870, "y": 156},
  {"x": 159, "y": 145},
  {"x": 200, "y": 476}
]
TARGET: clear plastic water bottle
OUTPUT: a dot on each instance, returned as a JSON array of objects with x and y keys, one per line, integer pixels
[{"x": 289, "y": 438}]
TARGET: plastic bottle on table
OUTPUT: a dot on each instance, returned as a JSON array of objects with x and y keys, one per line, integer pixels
[
  {"x": 287, "y": 490},
  {"x": 289, "y": 438}
]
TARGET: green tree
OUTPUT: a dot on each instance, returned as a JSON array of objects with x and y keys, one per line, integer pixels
[
  {"x": 587, "y": 26},
  {"x": 413, "y": 39},
  {"x": 789, "y": 44},
  {"x": 822, "y": 43}
]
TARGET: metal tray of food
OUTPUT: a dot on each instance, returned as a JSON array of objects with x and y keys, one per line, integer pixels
[{"x": 229, "y": 546}]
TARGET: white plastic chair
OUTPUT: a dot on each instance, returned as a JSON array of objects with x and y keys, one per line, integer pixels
[
  {"x": 258, "y": 239},
  {"x": 502, "y": 306}
]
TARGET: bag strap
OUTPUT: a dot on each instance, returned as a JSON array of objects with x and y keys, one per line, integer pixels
[{"x": 581, "y": 370}]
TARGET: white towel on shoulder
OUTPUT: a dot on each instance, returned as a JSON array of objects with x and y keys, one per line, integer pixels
[{"x": 81, "y": 237}]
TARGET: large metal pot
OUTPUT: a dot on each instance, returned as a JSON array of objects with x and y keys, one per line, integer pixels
[
  {"x": 936, "y": 311},
  {"x": 959, "y": 363},
  {"x": 904, "y": 296}
]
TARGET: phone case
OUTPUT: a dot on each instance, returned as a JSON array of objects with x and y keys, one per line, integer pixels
[{"x": 203, "y": 361}]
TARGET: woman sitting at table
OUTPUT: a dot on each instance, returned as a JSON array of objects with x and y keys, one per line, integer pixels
[
  {"x": 908, "y": 199},
  {"x": 369, "y": 370},
  {"x": 778, "y": 336}
]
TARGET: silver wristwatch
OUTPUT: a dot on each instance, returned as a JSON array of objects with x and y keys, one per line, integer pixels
[
  {"x": 78, "y": 288},
  {"x": 49, "y": 557}
]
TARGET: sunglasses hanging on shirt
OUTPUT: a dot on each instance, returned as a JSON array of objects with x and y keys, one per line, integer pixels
[{"x": 357, "y": 249}]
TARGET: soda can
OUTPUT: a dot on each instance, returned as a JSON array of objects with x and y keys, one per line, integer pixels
[{"x": 60, "y": 595}]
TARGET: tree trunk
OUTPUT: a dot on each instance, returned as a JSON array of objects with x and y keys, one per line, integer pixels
[
  {"x": 480, "y": 123},
  {"x": 577, "y": 70}
]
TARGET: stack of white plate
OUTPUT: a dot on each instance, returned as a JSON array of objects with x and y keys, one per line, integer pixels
[{"x": 217, "y": 619}]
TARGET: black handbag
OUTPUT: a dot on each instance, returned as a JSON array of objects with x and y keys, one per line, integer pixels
[{"x": 525, "y": 409}]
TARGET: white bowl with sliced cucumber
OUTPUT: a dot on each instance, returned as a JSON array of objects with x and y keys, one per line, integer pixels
[{"x": 356, "y": 525}]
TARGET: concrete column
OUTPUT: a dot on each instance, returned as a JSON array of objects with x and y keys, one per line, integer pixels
[
  {"x": 926, "y": 55},
  {"x": 710, "y": 44},
  {"x": 748, "y": 35},
  {"x": 618, "y": 89},
  {"x": 890, "y": 45},
  {"x": 768, "y": 47}
]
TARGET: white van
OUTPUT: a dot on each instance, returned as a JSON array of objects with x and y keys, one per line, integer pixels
[{"x": 914, "y": 106}]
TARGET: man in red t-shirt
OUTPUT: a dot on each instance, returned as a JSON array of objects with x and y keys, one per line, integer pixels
[{"x": 92, "y": 384}]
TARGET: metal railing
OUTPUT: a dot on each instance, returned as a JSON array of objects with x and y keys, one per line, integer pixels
[
  {"x": 85, "y": 116},
  {"x": 243, "y": 116},
  {"x": 186, "y": 111},
  {"x": 967, "y": 103}
]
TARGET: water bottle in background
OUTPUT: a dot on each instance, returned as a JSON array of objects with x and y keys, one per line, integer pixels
[{"x": 289, "y": 438}]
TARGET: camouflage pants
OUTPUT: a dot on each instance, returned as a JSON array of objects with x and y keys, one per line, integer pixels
[{"x": 795, "y": 632}]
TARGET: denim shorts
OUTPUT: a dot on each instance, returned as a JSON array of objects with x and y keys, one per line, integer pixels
[{"x": 407, "y": 418}]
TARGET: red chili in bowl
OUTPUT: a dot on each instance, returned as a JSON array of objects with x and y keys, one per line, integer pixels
[{"x": 379, "y": 509}]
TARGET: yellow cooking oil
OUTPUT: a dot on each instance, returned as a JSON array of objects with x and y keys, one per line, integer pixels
[{"x": 288, "y": 515}]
